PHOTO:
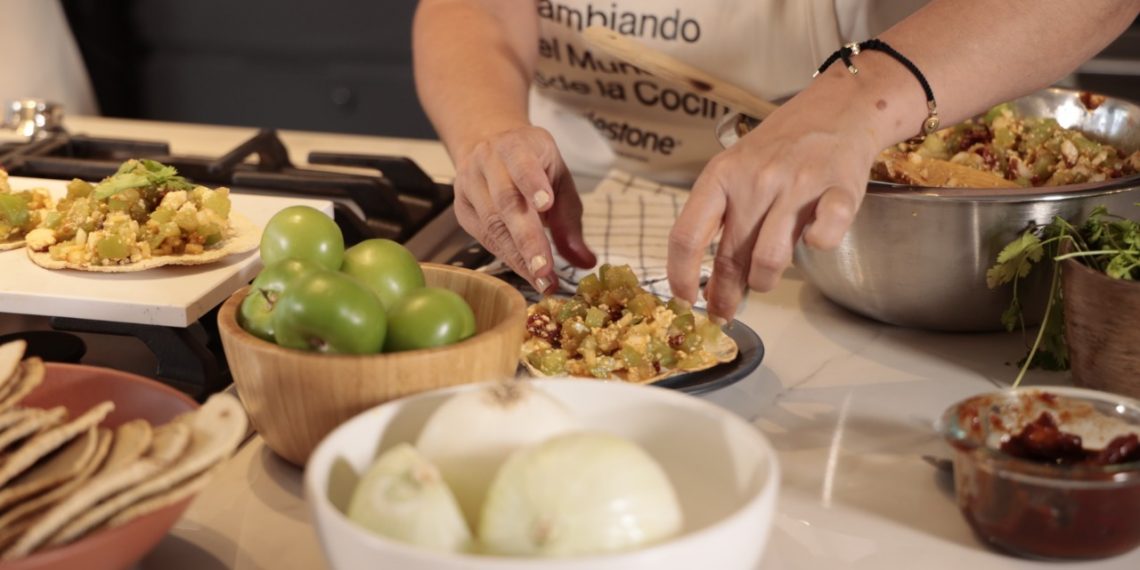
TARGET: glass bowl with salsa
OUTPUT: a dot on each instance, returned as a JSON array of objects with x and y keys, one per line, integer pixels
[{"x": 1048, "y": 473}]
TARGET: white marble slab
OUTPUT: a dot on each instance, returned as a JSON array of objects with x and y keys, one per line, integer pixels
[{"x": 169, "y": 296}]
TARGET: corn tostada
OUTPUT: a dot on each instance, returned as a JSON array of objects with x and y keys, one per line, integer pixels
[
  {"x": 613, "y": 329},
  {"x": 143, "y": 216}
]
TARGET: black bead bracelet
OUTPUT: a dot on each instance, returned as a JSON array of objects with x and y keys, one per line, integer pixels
[{"x": 932, "y": 122}]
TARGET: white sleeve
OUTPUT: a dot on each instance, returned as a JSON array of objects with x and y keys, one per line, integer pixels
[{"x": 862, "y": 19}]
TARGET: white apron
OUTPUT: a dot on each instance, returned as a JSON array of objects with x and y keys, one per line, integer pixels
[{"x": 605, "y": 114}]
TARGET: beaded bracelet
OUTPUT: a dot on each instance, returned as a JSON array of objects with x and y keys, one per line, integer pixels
[{"x": 931, "y": 123}]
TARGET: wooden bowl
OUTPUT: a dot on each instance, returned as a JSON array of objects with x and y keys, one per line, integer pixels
[
  {"x": 78, "y": 388},
  {"x": 294, "y": 398},
  {"x": 1100, "y": 329}
]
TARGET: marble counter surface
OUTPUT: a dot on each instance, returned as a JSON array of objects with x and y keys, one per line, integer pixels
[
  {"x": 173, "y": 296},
  {"x": 848, "y": 403}
]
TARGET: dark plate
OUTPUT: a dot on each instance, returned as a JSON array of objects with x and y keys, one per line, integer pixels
[
  {"x": 748, "y": 358},
  {"x": 749, "y": 354}
]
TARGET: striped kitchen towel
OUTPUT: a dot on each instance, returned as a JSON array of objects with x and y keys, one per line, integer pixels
[{"x": 626, "y": 220}]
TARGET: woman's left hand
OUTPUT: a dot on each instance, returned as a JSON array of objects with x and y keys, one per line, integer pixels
[{"x": 801, "y": 173}]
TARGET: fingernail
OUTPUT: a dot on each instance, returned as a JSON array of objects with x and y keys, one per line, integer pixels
[
  {"x": 541, "y": 199},
  {"x": 537, "y": 262},
  {"x": 718, "y": 321},
  {"x": 542, "y": 284}
]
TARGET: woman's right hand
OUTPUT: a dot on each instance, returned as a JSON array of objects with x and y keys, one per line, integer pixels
[{"x": 507, "y": 187}]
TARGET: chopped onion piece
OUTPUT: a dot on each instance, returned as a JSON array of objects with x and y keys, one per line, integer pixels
[
  {"x": 578, "y": 494},
  {"x": 403, "y": 497},
  {"x": 472, "y": 434}
]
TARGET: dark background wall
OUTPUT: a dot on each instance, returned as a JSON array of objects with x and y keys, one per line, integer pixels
[
  {"x": 1116, "y": 70},
  {"x": 324, "y": 65}
]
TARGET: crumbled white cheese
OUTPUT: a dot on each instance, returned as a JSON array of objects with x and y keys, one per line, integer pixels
[
  {"x": 40, "y": 239},
  {"x": 1069, "y": 152},
  {"x": 173, "y": 200}
]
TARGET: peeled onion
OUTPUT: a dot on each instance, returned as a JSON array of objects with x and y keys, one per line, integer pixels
[
  {"x": 578, "y": 494},
  {"x": 470, "y": 436},
  {"x": 403, "y": 497}
]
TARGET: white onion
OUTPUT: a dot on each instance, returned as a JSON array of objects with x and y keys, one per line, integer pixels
[
  {"x": 473, "y": 433},
  {"x": 578, "y": 494},
  {"x": 403, "y": 497}
]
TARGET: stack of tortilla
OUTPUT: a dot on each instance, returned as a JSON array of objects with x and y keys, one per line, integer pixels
[{"x": 65, "y": 476}]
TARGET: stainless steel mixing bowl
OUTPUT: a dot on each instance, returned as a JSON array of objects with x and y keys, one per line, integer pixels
[{"x": 917, "y": 256}]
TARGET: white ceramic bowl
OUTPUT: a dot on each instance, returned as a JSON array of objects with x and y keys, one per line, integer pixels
[{"x": 725, "y": 473}]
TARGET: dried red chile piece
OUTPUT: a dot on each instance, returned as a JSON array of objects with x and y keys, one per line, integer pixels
[
  {"x": 542, "y": 326},
  {"x": 1041, "y": 440},
  {"x": 1122, "y": 449}
]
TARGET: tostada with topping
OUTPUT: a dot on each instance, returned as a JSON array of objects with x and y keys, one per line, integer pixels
[
  {"x": 20, "y": 212},
  {"x": 143, "y": 216},
  {"x": 615, "y": 330}
]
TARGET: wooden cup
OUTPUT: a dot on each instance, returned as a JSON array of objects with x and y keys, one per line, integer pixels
[
  {"x": 1101, "y": 330},
  {"x": 295, "y": 398}
]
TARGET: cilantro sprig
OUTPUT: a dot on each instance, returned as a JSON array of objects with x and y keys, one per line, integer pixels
[
  {"x": 1105, "y": 242},
  {"x": 143, "y": 173}
]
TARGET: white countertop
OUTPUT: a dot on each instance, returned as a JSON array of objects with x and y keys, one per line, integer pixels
[
  {"x": 848, "y": 403},
  {"x": 174, "y": 296}
]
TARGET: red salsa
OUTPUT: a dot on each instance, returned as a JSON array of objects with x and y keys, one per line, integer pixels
[
  {"x": 1043, "y": 441},
  {"x": 1047, "y": 495}
]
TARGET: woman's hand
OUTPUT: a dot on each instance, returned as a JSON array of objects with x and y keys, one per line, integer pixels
[
  {"x": 507, "y": 187},
  {"x": 474, "y": 62},
  {"x": 801, "y": 173}
]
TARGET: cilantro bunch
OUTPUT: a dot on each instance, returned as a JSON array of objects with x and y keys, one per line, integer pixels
[{"x": 1105, "y": 242}]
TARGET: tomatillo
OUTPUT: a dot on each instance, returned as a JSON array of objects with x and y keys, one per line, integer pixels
[
  {"x": 428, "y": 317},
  {"x": 301, "y": 232},
  {"x": 385, "y": 266},
  {"x": 256, "y": 313},
  {"x": 328, "y": 311}
]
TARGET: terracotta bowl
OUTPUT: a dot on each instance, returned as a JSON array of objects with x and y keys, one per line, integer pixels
[
  {"x": 295, "y": 398},
  {"x": 78, "y": 388}
]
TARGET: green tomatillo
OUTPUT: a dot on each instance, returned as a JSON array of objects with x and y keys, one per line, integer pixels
[
  {"x": 256, "y": 313},
  {"x": 301, "y": 232},
  {"x": 385, "y": 266},
  {"x": 328, "y": 311},
  {"x": 428, "y": 317}
]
